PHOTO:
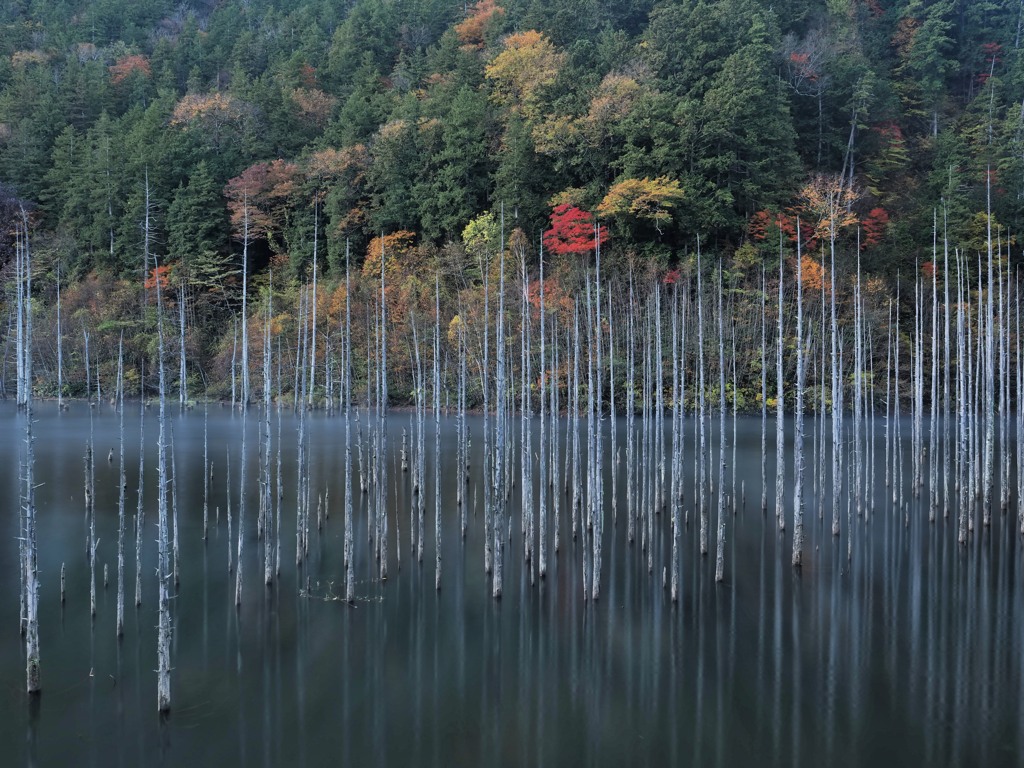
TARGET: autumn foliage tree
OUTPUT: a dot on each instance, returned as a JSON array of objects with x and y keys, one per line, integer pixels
[
  {"x": 128, "y": 65},
  {"x": 160, "y": 275},
  {"x": 874, "y": 226},
  {"x": 263, "y": 192},
  {"x": 217, "y": 121},
  {"x": 813, "y": 275},
  {"x": 519, "y": 75},
  {"x": 572, "y": 232},
  {"x": 766, "y": 226},
  {"x": 483, "y": 17},
  {"x": 339, "y": 176},
  {"x": 313, "y": 105},
  {"x": 826, "y": 205},
  {"x": 397, "y": 250},
  {"x": 210, "y": 110},
  {"x": 643, "y": 200}
]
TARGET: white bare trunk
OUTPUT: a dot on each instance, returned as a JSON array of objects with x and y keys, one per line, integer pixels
[{"x": 798, "y": 429}]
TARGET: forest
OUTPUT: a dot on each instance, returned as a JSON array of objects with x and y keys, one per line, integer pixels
[
  {"x": 226, "y": 147},
  {"x": 595, "y": 253}
]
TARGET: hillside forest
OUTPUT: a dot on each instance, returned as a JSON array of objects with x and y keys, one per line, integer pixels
[{"x": 234, "y": 152}]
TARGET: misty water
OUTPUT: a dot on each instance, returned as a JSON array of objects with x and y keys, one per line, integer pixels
[{"x": 907, "y": 652}]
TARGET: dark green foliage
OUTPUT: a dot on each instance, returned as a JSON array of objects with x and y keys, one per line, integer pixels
[{"x": 197, "y": 228}]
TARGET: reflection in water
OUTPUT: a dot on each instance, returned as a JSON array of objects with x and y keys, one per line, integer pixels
[{"x": 895, "y": 646}]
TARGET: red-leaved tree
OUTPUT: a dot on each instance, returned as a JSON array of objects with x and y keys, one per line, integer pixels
[
  {"x": 572, "y": 232},
  {"x": 874, "y": 226}
]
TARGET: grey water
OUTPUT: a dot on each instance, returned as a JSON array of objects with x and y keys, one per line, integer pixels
[{"x": 908, "y": 652}]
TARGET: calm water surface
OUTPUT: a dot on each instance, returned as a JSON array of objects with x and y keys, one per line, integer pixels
[{"x": 907, "y": 653}]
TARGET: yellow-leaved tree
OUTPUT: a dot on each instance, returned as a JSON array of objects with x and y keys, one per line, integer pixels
[
  {"x": 526, "y": 67},
  {"x": 643, "y": 200},
  {"x": 826, "y": 202}
]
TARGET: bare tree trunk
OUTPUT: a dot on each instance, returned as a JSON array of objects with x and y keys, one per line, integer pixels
[
  {"x": 543, "y": 485},
  {"x": 278, "y": 477},
  {"x": 484, "y": 386},
  {"x": 676, "y": 435},
  {"x": 139, "y": 510},
  {"x": 897, "y": 446},
  {"x": 962, "y": 392},
  {"x": 300, "y": 497},
  {"x": 347, "y": 393},
  {"x": 120, "y": 488},
  {"x": 933, "y": 421},
  {"x": 586, "y": 526},
  {"x": 612, "y": 415},
  {"x": 268, "y": 561},
  {"x": 837, "y": 392},
  {"x": 382, "y": 405},
  {"x": 242, "y": 489},
  {"x": 554, "y": 484},
  {"x": 720, "y": 550},
  {"x": 574, "y": 393},
  {"x": 164, "y": 565},
  {"x": 234, "y": 355},
  {"x": 798, "y": 429},
  {"x": 90, "y": 507},
  {"x": 245, "y": 309},
  {"x": 206, "y": 472},
  {"x": 21, "y": 341},
  {"x": 60, "y": 349},
  {"x": 703, "y": 411},
  {"x": 437, "y": 432},
  {"x": 598, "y": 462},
  {"x": 858, "y": 400},
  {"x": 526, "y": 491},
  {"x": 312, "y": 351},
  {"x": 227, "y": 509},
  {"x": 88, "y": 372},
  {"x": 764, "y": 394},
  {"x": 499, "y": 429},
  {"x": 1004, "y": 383},
  {"x": 989, "y": 401},
  {"x": 182, "y": 380},
  {"x": 418, "y": 511},
  {"x": 631, "y": 417},
  {"x": 948, "y": 364},
  {"x": 1020, "y": 405},
  {"x": 32, "y": 666},
  {"x": 780, "y": 463}
]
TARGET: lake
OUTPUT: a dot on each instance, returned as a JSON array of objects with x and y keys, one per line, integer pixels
[{"x": 909, "y": 650}]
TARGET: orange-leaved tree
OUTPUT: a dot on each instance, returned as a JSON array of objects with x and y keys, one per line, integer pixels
[
  {"x": 765, "y": 226},
  {"x": 812, "y": 275},
  {"x": 403, "y": 289},
  {"x": 396, "y": 249},
  {"x": 483, "y": 17},
  {"x": 128, "y": 65},
  {"x": 158, "y": 276},
  {"x": 258, "y": 200}
]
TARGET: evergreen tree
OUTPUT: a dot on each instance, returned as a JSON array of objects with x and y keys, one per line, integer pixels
[{"x": 197, "y": 229}]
